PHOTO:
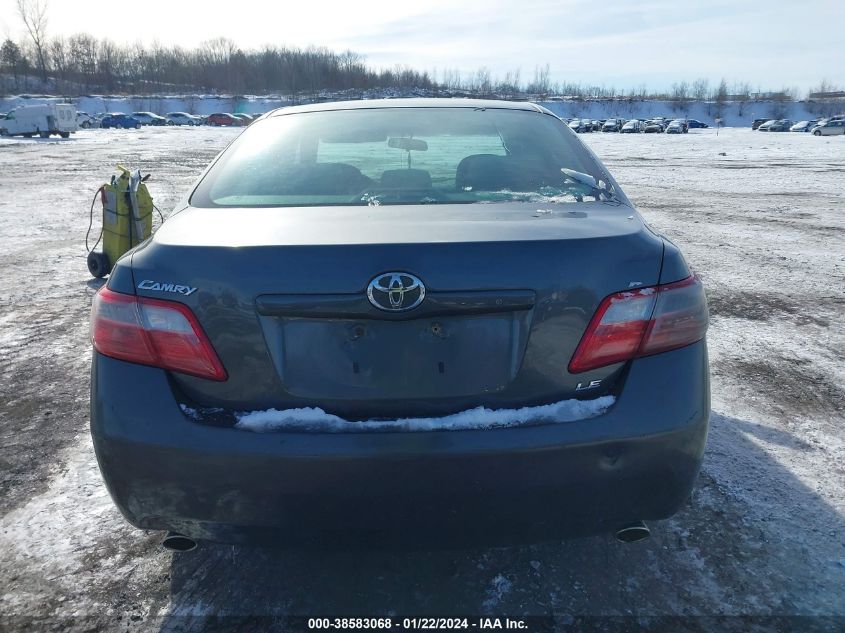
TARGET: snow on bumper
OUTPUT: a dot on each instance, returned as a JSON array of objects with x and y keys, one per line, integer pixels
[
  {"x": 317, "y": 420},
  {"x": 636, "y": 460}
]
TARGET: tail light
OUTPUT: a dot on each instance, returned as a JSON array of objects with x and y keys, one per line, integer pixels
[
  {"x": 163, "y": 334},
  {"x": 642, "y": 322}
]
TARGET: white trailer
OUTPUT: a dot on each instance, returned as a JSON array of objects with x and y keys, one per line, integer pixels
[{"x": 43, "y": 120}]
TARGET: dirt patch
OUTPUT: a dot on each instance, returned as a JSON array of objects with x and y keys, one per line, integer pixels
[
  {"x": 788, "y": 386},
  {"x": 762, "y": 307}
]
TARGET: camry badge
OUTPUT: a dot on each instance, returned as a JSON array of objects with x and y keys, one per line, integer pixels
[
  {"x": 396, "y": 292},
  {"x": 149, "y": 284}
]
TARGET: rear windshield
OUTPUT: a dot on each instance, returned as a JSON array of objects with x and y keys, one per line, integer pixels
[{"x": 403, "y": 156}]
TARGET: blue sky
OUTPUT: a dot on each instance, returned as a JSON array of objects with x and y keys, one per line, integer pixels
[{"x": 621, "y": 44}]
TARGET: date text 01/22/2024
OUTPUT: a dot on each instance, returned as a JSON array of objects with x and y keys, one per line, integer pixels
[{"x": 425, "y": 623}]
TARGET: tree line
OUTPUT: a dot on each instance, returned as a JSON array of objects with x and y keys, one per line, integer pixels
[{"x": 83, "y": 64}]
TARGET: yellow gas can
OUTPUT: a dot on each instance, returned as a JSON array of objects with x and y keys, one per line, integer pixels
[{"x": 127, "y": 219}]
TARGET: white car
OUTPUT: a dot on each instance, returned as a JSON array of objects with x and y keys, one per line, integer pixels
[
  {"x": 149, "y": 118},
  {"x": 581, "y": 125},
  {"x": 85, "y": 120},
  {"x": 803, "y": 126},
  {"x": 633, "y": 126},
  {"x": 182, "y": 118},
  {"x": 831, "y": 128}
]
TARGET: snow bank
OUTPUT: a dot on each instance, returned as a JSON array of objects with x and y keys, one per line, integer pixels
[
  {"x": 734, "y": 114},
  {"x": 313, "y": 419},
  {"x": 195, "y": 104}
]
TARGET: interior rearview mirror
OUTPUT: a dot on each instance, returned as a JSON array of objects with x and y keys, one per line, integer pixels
[{"x": 408, "y": 144}]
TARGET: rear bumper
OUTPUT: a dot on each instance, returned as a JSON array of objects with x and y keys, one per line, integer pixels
[{"x": 637, "y": 461}]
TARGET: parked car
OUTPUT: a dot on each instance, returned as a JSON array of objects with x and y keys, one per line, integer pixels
[
  {"x": 581, "y": 125},
  {"x": 597, "y": 125},
  {"x": 85, "y": 120},
  {"x": 678, "y": 126},
  {"x": 264, "y": 336},
  {"x": 755, "y": 125},
  {"x": 831, "y": 128},
  {"x": 149, "y": 118},
  {"x": 632, "y": 126},
  {"x": 182, "y": 118},
  {"x": 781, "y": 125},
  {"x": 223, "y": 119},
  {"x": 42, "y": 120},
  {"x": 612, "y": 125},
  {"x": 653, "y": 126},
  {"x": 244, "y": 117},
  {"x": 696, "y": 124},
  {"x": 803, "y": 126},
  {"x": 120, "y": 120}
]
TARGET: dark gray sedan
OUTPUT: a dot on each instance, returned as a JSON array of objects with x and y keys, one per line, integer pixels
[{"x": 401, "y": 321}]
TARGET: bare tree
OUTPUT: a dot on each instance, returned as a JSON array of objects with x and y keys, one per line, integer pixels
[
  {"x": 824, "y": 99},
  {"x": 540, "y": 85},
  {"x": 510, "y": 85},
  {"x": 82, "y": 57},
  {"x": 58, "y": 58},
  {"x": 721, "y": 98},
  {"x": 699, "y": 89},
  {"x": 741, "y": 94},
  {"x": 482, "y": 83},
  {"x": 33, "y": 13},
  {"x": 108, "y": 64},
  {"x": 680, "y": 96}
]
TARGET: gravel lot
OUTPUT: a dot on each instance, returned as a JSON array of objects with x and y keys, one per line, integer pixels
[{"x": 760, "y": 218}]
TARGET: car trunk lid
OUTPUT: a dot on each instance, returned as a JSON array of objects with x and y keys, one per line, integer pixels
[{"x": 510, "y": 288}]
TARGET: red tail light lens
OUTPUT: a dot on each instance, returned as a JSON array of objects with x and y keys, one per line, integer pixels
[
  {"x": 642, "y": 322},
  {"x": 680, "y": 317},
  {"x": 163, "y": 334}
]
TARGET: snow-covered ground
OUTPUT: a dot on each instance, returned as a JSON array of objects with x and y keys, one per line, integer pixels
[{"x": 759, "y": 217}]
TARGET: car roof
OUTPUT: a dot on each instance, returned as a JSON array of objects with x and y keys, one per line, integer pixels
[{"x": 372, "y": 104}]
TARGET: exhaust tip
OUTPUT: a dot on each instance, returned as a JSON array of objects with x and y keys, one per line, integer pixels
[
  {"x": 176, "y": 542},
  {"x": 633, "y": 533}
]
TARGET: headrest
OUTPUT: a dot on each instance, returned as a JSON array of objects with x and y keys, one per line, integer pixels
[{"x": 406, "y": 179}]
